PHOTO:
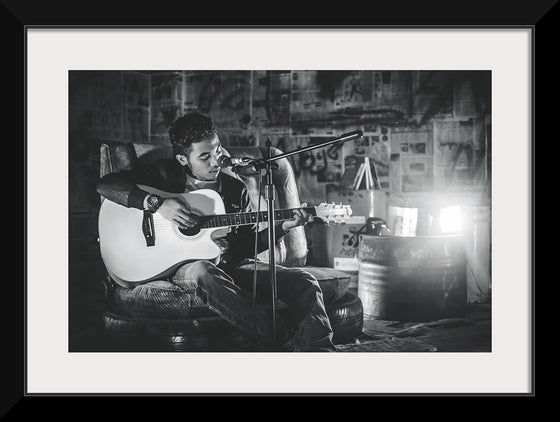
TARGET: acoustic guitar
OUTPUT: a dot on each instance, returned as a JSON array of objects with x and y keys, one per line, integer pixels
[{"x": 138, "y": 246}]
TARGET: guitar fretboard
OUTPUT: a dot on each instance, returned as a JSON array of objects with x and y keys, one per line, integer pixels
[{"x": 244, "y": 218}]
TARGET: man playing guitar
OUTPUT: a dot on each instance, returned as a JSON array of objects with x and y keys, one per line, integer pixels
[{"x": 223, "y": 285}]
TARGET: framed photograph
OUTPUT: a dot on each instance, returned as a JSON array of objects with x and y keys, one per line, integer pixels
[{"x": 135, "y": 67}]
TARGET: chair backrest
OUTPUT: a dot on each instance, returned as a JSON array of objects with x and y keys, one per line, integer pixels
[{"x": 290, "y": 252}]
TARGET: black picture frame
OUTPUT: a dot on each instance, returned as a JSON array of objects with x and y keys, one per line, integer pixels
[{"x": 18, "y": 17}]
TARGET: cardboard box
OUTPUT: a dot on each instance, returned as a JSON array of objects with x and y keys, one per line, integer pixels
[
  {"x": 350, "y": 264},
  {"x": 342, "y": 241},
  {"x": 325, "y": 243}
]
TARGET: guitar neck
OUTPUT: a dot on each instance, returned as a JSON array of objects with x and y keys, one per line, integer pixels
[{"x": 244, "y": 218}]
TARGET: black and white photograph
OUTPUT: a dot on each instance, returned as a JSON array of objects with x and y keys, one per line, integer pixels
[
  {"x": 283, "y": 221},
  {"x": 399, "y": 261}
]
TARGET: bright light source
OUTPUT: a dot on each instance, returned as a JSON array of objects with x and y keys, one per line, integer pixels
[{"x": 450, "y": 219}]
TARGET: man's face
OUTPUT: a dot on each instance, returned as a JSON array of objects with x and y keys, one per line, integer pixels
[{"x": 203, "y": 159}]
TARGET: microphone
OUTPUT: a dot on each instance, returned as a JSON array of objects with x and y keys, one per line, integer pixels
[{"x": 225, "y": 161}]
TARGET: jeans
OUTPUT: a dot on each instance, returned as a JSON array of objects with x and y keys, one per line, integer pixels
[{"x": 304, "y": 316}]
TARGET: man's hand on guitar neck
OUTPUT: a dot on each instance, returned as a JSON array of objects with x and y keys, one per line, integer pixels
[
  {"x": 176, "y": 210},
  {"x": 300, "y": 218}
]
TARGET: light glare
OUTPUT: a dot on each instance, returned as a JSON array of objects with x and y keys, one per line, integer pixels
[{"x": 450, "y": 219}]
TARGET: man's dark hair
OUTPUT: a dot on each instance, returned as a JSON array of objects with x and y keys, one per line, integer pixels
[{"x": 190, "y": 128}]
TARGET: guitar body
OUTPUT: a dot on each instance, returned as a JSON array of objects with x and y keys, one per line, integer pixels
[{"x": 124, "y": 248}]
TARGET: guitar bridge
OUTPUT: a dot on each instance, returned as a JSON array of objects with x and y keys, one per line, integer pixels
[{"x": 148, "y": 228}]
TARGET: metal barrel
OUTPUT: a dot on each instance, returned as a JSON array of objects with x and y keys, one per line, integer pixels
[{"x": 412, "y": 278}]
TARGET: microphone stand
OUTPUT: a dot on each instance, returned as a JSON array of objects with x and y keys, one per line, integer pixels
[
  {"x": 269, "y": 197},
  {"x": 268, "y": 163}
]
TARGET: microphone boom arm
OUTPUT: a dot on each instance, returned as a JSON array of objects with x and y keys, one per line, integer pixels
[{"x": 350, "y": 136}]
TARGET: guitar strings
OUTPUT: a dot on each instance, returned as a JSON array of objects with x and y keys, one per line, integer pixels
[{"x": 166, "y": 223}]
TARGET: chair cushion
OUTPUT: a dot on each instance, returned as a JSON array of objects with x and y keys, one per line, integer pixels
[
  {"x": 156, "y": 299},
  {"x": 334, "y": 283},
  {"x": 162, "y": 299}
]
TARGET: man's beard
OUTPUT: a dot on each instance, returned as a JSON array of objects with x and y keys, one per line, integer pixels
[{"x": 212, "y": 177}]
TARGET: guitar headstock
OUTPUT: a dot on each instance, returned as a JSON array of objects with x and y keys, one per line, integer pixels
[{"x": 333, "y": 213}]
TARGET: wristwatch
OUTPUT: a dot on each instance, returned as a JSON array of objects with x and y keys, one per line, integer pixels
[{"x": 152, "y": 203}]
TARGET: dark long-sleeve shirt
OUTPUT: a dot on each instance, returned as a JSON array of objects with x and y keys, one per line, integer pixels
[{"x": 169, "y": 176}]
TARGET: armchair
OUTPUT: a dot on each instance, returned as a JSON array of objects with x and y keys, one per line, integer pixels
[{"x": 197, "y": 328}]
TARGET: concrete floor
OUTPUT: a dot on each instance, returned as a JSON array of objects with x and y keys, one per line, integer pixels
[{"x": 471, "y": 333}]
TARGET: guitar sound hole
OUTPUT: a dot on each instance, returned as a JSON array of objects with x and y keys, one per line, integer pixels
[{"x": 190, "y": 232}]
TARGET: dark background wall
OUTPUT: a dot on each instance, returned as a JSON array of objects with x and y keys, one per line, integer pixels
[{"x": 427, "y": 132}]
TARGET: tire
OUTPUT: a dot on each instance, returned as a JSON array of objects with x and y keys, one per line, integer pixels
[
  {"x": 147, "y": 334},
  {"x": 346, "y": 317}
]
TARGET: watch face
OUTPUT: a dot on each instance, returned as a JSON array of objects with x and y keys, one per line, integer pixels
[{"x": 153, "y": 201}]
